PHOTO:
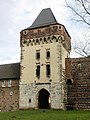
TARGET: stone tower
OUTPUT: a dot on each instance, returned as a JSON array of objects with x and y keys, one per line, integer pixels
[{"x": 44, "y": 47}]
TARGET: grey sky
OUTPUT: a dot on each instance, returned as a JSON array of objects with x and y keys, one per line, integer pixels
[{"x": 19, "y": 14}]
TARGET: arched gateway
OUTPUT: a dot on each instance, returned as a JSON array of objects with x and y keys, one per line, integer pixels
[{"x": 44, "y": 99}]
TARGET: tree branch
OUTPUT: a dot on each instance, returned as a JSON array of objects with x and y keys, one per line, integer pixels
[
  {"x": 78, "y": 14},
  {"x": 85, "y": 7}
]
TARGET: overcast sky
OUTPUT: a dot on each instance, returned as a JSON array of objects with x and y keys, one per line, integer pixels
[{"x": 19, "y": 14}]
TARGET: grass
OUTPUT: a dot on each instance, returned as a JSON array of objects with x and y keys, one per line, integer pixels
[{"x": 45, "y": 115}]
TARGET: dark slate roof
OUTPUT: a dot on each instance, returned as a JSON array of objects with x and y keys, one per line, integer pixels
[
  {"x": 45, "y": 18},
  {"x": 10, "y": 71}
]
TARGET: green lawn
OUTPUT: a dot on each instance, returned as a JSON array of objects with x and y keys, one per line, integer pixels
[{"x": 45, "y": 115}]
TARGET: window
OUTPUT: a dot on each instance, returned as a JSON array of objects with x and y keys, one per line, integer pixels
[
  {"x": 29, "y": 100},
  {"x": 47, "y": 54},
  {"x": 38, "y": 71},
  {"x": 25, "y": 32},
  {"x": 11, "y": 93},
  {"x": 38, "y": 55},
  {"x": 48, "y": 70},
  {"x": 9, "y": 83},
  {"x": 79, "y": 66},
  {"x": 60, "y": 27},
  {"x": 53, "y": 27},
  {"x": 3, "y": 83},
  {"x": 69, "y": 82}
]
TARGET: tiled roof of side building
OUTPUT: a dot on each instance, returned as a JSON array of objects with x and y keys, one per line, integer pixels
[
  {"x": 45, "y": 18},
  {"x": 10, "y": 71}
]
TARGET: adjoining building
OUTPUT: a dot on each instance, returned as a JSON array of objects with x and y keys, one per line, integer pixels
[
  {"x": 9, "y": 86},
  {"x": 46, "y": 76}
]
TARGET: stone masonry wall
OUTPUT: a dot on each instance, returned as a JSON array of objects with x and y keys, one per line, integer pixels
[
  {"x": 9, "y": 96},
  {"x": 34, "y": 36},
  {"x": 30, "y": 92}
]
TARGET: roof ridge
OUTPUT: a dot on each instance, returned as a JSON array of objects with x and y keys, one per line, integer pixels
[{"x": 9, "y": 64}]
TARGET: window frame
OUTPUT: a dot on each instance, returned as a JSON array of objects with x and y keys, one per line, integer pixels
[
  {"x": 38, "y": 71},
  {"x": 37, "y": 54},
  {"x": 3, "y": 83},
  {"x": 48, "y": 54},
  {"x": 9, "y": 83},
  {"x": 48, "y": 70}
]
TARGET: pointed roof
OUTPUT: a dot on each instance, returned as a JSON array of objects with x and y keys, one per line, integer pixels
[{"x": 45, "y": 18}]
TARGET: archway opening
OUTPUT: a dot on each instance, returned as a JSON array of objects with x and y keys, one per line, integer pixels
[{"x": 44, "y": 99}]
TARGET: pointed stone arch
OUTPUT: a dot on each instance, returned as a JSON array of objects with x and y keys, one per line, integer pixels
[{"x": 43, "y": 99}]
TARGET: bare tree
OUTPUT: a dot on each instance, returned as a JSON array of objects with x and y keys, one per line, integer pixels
[
  {"x": 81, "y": 10},
  {"x": 82, "y": 48},
  {"x": 81, "y": 13}
]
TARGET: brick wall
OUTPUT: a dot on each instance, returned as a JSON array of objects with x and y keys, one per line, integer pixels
[
  {"x": 9, "y": 96},
  {"x": 78, "y": 91},
  {"x": 28, "y": 35}
]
